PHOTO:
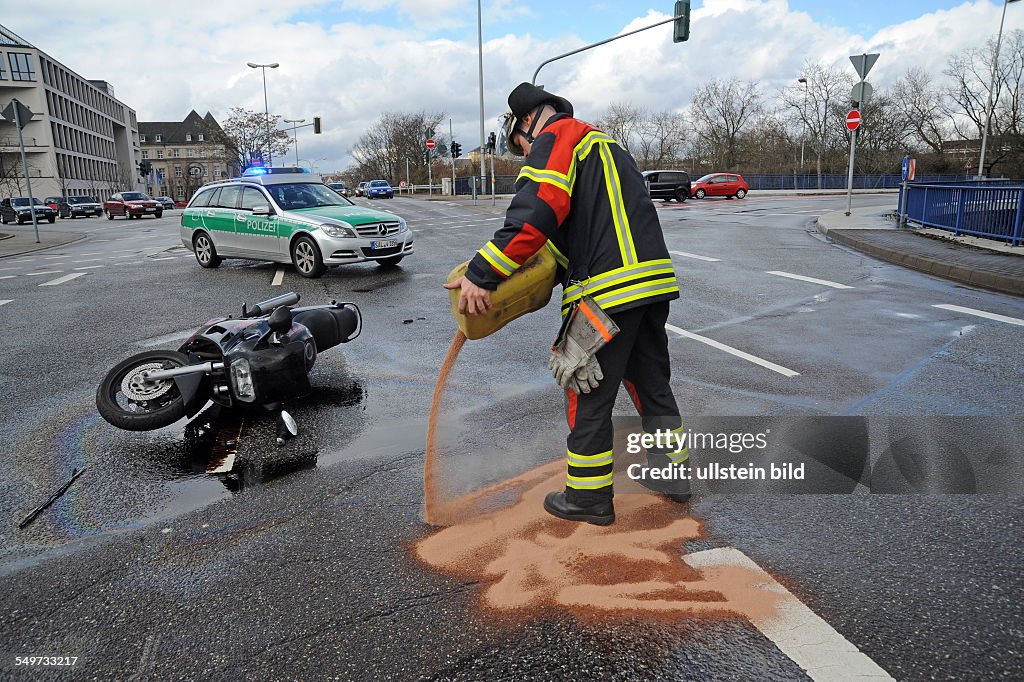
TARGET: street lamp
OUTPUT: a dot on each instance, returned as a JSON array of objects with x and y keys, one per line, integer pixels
[
  {"x": 991, "y": 90},
  {"x": 266, "y": 108},
  {"x": 295, "y": 136},
  {"x": 804, "y": 116}
]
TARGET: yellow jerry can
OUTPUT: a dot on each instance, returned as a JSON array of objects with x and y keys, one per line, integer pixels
[{"x": 526, "y": 290}]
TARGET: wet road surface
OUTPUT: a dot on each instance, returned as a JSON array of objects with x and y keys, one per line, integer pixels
[{"x": 297, "y": 565}]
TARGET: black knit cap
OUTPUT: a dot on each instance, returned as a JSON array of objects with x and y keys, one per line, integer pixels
[{"x": 527, "y": 97}]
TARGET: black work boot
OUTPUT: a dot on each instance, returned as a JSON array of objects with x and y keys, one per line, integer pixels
[
  {"x": 675, "y": 489},
  {"x": 600, "y": 513}
]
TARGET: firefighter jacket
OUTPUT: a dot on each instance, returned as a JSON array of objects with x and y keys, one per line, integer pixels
[{"x": 580, "y": 195}]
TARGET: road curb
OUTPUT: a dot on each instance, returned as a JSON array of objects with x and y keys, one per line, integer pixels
[
  {"x": 956, "y": 273},
  {"x": 77, "y": 238}
]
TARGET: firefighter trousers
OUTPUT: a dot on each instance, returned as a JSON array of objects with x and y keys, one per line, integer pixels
[{"x": 638, "y": 358}]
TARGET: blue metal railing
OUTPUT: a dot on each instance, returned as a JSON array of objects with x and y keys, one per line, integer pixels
[{"x": 993, "y": 209}]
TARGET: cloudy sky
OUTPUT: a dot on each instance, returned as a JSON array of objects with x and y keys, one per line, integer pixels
[{"x": 350, "y": 60}]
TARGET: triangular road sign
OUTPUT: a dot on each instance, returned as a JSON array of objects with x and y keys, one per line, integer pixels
[{"x": 863, "y": 63}]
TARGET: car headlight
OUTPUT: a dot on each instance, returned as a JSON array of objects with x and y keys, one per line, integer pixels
[
  {"x": 402, "y": 225},
  {"x": 338, "y": 230},
  {"x": 241, "y": 377}
]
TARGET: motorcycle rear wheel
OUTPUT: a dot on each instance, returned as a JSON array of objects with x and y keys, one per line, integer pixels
[{"x": 129, "y": 403}]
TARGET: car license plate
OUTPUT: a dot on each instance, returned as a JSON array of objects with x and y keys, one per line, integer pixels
[
  {"x": 383, "y": 244},
  {"x": 150, "y": 210}
]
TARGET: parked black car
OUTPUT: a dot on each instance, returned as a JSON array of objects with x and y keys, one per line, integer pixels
[
  {"x": 19, "y": 210},
  {"x": 166, "y": 202},
  {"x": 668, "y": 184},
  {"x": 72, "y": 207}
]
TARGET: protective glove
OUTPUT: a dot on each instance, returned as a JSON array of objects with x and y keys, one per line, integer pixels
[
  {"x": 587, "y": 330},
  {"x": 589, "y": 376}
]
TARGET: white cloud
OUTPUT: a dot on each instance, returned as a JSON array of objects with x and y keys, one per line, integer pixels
[{"x": 164, "y": 63}]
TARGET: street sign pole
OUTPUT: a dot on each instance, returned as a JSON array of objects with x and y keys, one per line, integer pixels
[
  {"x": 849, "y": 175},
  {"x": 451, "y": 134},
  {"x": 862, "y": 63},
  {"x": 24, "y": 164},
  {"x": 494, "y": 181}
]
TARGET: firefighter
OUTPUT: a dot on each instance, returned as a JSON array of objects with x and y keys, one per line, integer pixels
[{"x": 581, "y": 195}]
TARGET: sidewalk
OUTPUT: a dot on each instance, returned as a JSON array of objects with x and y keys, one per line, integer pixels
[
  {"x": 984, "y": 263},
  {"x": 16, "y": 240}
]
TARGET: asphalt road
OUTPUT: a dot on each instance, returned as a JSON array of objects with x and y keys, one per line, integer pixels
[{"x": 298, "y": 565}]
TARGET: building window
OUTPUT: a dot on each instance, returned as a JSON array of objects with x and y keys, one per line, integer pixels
[
  {"x": 142, "y": 138},
  {"x": 181, "y": 191},
  {"x": 160, "y": 153},
  {"x": 202, "y": 153},
  {"x": 189, "y": 153},
  {"x": 21, "y": 66},
  {"x": 159, "y": 138},
  {"x": 145, "y": 154},
  {"x": 177, "y": 172},
  {"x": 188, "y": 137},
  {"x": 176, "y": 153},
  {"x": 201, "y": 138}
]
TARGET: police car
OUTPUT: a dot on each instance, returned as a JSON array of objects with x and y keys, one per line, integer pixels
[{"x": 288, "y": 215}]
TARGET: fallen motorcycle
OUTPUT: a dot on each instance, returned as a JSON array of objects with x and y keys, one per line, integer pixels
[{"x": 257, "y": 360}]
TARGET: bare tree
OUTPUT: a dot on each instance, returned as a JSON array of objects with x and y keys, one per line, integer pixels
[
  {"x": 813, "y": 106},
  {"x": 249, "y": 137},
  {"x": 382, "y": 151},
  {"x": 622, "y": 121},
  {"x": 918, "y": 101},
  {"x": 722, "y": 111},
  {"x": 661, "y": 140}
]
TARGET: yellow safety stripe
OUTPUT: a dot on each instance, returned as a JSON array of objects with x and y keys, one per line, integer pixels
[
  {"x": 637, "y": 291},
  {"x": 617, "y": 276},
  {"x": 614, "y": 187},
  {"x": 588, "y": 482},
  {"x": 502, "y": 263},
  {"x": 583, "y": 149},
  {"x": 551, "y": 177},
  {"x": 680, "y": 457},
  {"x": 559, "y": 256},
  {"x": 597, "y": 460}
]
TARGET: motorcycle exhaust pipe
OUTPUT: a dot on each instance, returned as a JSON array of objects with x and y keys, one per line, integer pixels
[{"x": 161, "y": 374}]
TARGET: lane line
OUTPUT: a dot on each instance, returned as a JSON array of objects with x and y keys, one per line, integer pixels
[
  {"x": 90, "y": 267},
  {"x": 693, "y": 255},
  {"x": 981, "y": 313},
  {"x": 278, "y": 278},
  {"x": 65, "y": 278},
  {"x": 156, "y": 259},
  {"x": 5, "y": 301},
  {"x": 86, "y": 260},
  {"x": 798, "y": 632},
  {"x": 813, "y": 280},
  {"x": 8, "y": 276},
  {"x": 43, "y": 272},
  {"x": 734, "y": 351}
]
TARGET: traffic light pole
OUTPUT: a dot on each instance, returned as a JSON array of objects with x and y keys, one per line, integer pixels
[
  {"x": 24, "y": 164},
  {"x": 451, "y": 134},
  {"x": 685, "y": 16}
]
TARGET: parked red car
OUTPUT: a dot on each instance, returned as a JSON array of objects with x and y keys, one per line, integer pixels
[
  {"x": 720, "y": 185},
  {"x": 132, "y": 205}
]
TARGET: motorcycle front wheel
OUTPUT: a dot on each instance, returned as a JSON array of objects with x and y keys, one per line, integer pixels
[{"x": 131, "y": 403}]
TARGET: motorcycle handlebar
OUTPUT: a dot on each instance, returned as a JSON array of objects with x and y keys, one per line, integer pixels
[{"x": 268, "y": 306}]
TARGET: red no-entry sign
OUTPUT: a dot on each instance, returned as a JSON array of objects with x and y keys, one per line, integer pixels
[
  {"x": 431, "y": 144},
  {"x": 853, "y": 119}
]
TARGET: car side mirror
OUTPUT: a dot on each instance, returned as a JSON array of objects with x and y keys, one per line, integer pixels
[{"x": 261, "y": 209}]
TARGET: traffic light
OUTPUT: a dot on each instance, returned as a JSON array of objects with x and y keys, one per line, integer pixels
[
  {"x": 681, "y": 26},
  {"x": 144, "y": 168},
  {"x": 492, "y": 142},
  {"x": 316, "y": 125},
  {"x": 456, "y": 150}
]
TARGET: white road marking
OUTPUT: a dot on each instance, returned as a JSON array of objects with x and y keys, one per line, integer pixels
[
  {"x": 86, "y": 260},
  {"x": 156, "y": 259},
  {"x": 797, "y": 631},
  {"x": 8, "y": 276},
  {"x": 813, "y": 280},
  {"x": 62, "y": 280},
  {"x": 90, "y": 267},
  {"x": 693, "y": 255},
  {"x": 278, "y": 278},
  {"x": 5, "y": 301},
  {"x": 26, "y": 260},
  {"x": 981, "y": 313},
  {"x": 53, "y": 257},
  {"x": 43, "y": 272},
  {"x": 733, "y": 351}
]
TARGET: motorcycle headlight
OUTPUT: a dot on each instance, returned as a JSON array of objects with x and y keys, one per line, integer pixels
[
  {"x": 242, "y": 380},
  {"x": 338, "y": 230}
]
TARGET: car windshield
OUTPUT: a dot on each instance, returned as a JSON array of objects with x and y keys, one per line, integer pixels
[
  {"x": 79, "y": 200},
  {"x": 23, "y": 201},
  {"x": 134, "y": 196},
  {"x": 296, "y": 195},
  {"x": 706, "y": 177},
  {"x": 379, "y": 183}
]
